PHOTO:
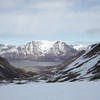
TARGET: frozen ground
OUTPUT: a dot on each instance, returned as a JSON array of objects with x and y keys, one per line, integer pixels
[{"x": 51, "y": 91}]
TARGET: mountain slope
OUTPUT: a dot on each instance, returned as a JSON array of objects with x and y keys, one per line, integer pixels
[
  {"x": 85, "y": 67},
  {"x": 38, "y": 50},
  {"x": 8, "y": 72}
]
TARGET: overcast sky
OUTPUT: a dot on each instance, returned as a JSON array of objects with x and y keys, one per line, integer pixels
[{"x": 72, "y": 21}]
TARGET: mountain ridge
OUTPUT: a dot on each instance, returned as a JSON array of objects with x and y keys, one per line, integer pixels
[
  {"x": 86, "y": 67},
  {"x": 83, "y": 67},
  {"x": 38, "y": 50}
]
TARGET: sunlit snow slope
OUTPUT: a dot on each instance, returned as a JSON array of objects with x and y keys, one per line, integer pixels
[{"x": 85, "y": 67}]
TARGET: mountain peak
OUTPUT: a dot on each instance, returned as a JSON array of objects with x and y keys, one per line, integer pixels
[
  {"x": 79, "y": 47},
  {"x": 39, "y": 50}
]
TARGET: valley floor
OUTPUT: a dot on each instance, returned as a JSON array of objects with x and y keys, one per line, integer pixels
[{"x": 51, "y": 91}]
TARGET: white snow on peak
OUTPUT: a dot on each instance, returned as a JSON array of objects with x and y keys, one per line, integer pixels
[
  {"x": 39, "y": 48},
  {"x": 79, "y": 47},
  {"x": 45, "y": 45},
  {"x": 8, "y": 49}
]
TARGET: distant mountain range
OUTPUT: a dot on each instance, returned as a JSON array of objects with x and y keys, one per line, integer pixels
[
  {"x": 85, "y": 66},
  {"x": 79, "y": 47},
  {"x": 40, "y": 51}
]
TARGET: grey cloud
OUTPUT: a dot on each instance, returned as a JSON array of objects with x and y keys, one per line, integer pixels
[
  {"x": 30, "y": 5},
  {"x": 46, "y": 21},
  {"x": 86, "y": 5},
  {"x": 93, "y": 31}
]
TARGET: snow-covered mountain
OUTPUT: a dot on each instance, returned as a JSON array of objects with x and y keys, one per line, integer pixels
[
  {"x": 79, "y": 47},
  {"x": 38, "y": 50},
  {"x": 84, "y": 67}
]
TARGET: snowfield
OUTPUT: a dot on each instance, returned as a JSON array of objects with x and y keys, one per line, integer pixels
[{"x": 51, "y": 91}]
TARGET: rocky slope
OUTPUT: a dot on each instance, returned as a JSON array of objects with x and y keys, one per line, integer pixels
[
  {"x": 39, "y": 51},
  {"x": 81, "y": 68},
  {"x": 10, "y": 73}
]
